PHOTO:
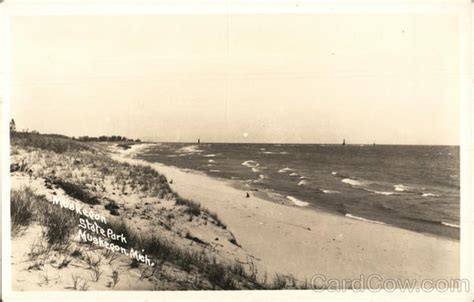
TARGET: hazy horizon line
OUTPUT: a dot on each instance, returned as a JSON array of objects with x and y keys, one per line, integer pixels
[{"x": 254, "y": 143}]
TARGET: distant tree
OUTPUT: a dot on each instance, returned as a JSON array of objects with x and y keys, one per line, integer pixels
[
  {"x": 12, "y": 126},
  {"x": 138, "y": 140}
]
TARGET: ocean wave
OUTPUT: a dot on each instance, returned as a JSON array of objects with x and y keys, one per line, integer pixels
[
  {"x": 284, "y": 170},
  {"x": 189, "y": 149},
  {"x": 297, "y": 202},
  {"x": 256, "y": 170},
  {"x": 214, "y": 170},
  {"x": 250, "y": 163},
  {"x": 273, "y": 152},
  {"x": 334, "y": 173},
  {"x": 429, "y": 195},
  {"x": 294, "y": 174},
  {"x": 402, "y": 188},
  {"x": 210, "y": 155},
  {"x": 380, "y": 192},
  {"x": 302, "y": 182},
  {"x": 451, "y": 225},
  {"x": 211, "y": 161},
  {"x": 261, "y": 176},
  {"x": 353, "y": 182},
  {"x": 363, "y": 219},
  {"x": 330, "y": 191}
]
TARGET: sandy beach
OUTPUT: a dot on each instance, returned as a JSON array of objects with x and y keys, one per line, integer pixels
[{"x": 303, "y": 242}]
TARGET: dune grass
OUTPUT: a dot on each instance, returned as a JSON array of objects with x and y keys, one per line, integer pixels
[
  {"x": 21, "y": 209},
  {"x": 221, "y": 275},
  {"x": 51, "y": 142},
  {"x": 26, "y": 207}
]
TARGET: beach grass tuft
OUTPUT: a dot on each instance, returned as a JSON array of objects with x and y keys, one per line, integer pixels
[
  {"x": 26, "y": 206},
  {"x": 21, "y": 209}
]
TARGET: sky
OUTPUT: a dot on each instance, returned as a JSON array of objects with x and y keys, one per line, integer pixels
[{"x": 314, "y": 78}]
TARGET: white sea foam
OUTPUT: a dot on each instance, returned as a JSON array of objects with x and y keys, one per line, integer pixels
[
  {"x": 211, "y": 161},
  {"x": 284, "y": 170},
  {"x": 334, "y": 173},
  {"x": 294, "y": 174},
  {"x": 452, "y": 225},
  {"x": 189, "y": 149},
  {"x": 380, "y": 192},
  {"x": 210, "y": 155},
  {"x": 250, "y": 163},
  {"x": 330, "y": 191},
  {"x": 402, "y": 188},
  {"x": 261, "y": 176},
  {"x": 352, "y": 182},
  {"x": 363, "y": 219},
  {"x": 297, "y": 202},
  {"x": 256, "y": 170},
  {"x": 215, "y": 170},
  {"x": 429, "y": 195},
  {"x": 302, "y": 183},
  {"x": 273, "y": 152}
]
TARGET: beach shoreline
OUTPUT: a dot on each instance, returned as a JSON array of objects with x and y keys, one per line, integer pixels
[{"x": 295, "y": 240}]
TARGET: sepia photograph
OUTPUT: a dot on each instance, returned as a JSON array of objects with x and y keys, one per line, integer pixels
[{"x": 316, "y": 150}]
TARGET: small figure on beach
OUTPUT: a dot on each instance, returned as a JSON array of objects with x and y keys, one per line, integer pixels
[
  {"x": 247, "y": 195},
  {"x": 171, "y": 181}
]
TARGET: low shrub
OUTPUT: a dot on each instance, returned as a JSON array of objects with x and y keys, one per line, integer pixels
[{"x": 76, "y": 191}]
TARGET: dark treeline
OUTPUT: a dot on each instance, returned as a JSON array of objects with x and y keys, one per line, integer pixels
[{"x": 103, "y": 138}]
